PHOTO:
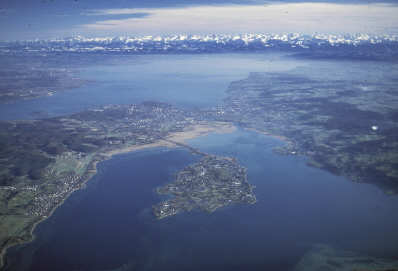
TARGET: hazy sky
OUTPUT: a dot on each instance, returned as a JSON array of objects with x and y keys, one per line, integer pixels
[{"x": 29, "y": 19}]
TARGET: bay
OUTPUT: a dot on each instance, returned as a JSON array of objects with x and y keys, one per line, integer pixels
[{"x": 109, "y": 225}]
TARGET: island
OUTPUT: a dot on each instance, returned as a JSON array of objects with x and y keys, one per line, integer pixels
[{"x": 209, "y": 184}]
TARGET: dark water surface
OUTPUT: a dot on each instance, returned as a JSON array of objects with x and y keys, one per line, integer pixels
[{"x": 109, "y": 225}]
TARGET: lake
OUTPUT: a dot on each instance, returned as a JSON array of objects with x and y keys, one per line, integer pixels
[
  {"x": 109, "y": 225},
  {"x": 183, "y": 80}
]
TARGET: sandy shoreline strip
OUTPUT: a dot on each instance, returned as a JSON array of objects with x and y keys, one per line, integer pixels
[
  {"x": 189, "y": 132},
  {"x": 181, "y": 137}
]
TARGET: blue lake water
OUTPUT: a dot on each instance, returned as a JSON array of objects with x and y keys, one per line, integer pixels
[
  {"x": 183, "y": 80},
  {"x": 109, "y": 225}
]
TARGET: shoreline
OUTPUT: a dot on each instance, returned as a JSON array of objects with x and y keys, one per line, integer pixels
[
  {"x": 189, "y": 132},
  {"x": 42, "y": 219},
  {"x": 279, "y": 137}
]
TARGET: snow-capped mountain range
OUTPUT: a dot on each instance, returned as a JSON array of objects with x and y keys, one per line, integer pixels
[{"x": 208, "y": 43}]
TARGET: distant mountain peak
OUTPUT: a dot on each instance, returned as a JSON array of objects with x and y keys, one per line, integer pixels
[{"x": 212, "y": 43}]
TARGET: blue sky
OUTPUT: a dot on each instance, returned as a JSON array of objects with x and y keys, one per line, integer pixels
[{"x": 44, "y": 19}]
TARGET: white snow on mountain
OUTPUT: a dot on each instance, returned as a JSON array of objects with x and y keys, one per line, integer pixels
[{"x": 201, "y": 43}]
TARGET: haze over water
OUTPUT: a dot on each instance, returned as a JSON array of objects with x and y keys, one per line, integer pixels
[{"x": 184, "y": 80}]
